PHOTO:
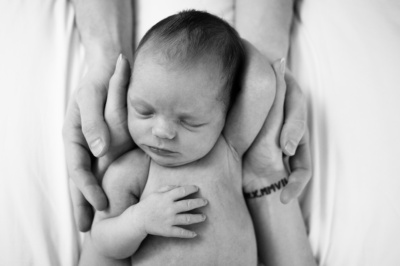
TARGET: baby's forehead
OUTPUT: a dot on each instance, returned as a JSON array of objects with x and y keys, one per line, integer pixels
[
  {"x": 177, "y": 57},
  {"x": 153, "y": 56},
  {"x": 202, "y": 78}
]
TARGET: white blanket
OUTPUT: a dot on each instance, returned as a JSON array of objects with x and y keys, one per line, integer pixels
[
  {"x": 39, "y": 65},
  {"x": 346, "y": 56}
]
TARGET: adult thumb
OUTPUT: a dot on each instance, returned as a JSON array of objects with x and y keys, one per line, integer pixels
[{"x": 91, "y": 101}]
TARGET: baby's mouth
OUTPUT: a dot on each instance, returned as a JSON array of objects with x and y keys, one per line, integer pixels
[{"x": 159, "y": 151}]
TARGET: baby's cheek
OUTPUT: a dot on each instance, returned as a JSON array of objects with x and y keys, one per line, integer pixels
[
  {"x": 135, "y": 128},
  {"x": 206, "y": 143}
]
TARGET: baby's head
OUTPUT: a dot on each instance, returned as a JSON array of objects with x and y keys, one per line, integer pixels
[{"x": 184, "y": 80}]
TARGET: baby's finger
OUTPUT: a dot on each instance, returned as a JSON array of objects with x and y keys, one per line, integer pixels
[
  {"x": 185, "y": 219},
  {"x": 183, "y": 191},
  {"x": 166, "y": 188},
  {"x": 300, "y": 165},
  {"x": 180, "y": 232},
  {"x": 190, "y": 204}
]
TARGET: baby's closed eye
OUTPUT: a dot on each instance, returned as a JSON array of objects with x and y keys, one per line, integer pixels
[
  {"x": 143, "y": 111},
  {"x": 191, "y": 124}
]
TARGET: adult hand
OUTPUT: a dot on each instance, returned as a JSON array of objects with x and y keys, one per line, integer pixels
[
  {"x": 294, "y": 140},
  {"x": 264, "y": 158},
  {"x": 85, "y": 131},
  {"x": 263, "y": 162}
]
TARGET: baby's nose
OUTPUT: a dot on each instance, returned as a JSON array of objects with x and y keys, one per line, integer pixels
[{"x": 164, "y": 130}]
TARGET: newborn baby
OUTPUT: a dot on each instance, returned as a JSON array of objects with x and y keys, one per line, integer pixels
[{"x": 177, "y": 199}]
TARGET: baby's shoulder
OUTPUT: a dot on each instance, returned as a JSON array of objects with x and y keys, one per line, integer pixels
[{"x": 127, "y": 174}]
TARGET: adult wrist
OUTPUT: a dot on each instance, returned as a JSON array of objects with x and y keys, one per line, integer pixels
[
  {"x": 100, "y": 56},
  {"x": 267, "y": 185}
]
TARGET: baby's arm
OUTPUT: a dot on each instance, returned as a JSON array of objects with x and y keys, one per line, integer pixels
[
  {"x": 116, "y": 227},
  {"x": 250, "y": 110},
  {"x": 118, "y": 231}
]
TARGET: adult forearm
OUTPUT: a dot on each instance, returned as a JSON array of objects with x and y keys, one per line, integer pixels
[
  {"x": 106, "y": 28},
  {"x": 280, "y": 230},
  {"x": 266, "y": 24}
]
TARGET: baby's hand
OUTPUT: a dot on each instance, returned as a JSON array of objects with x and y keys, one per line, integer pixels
[{"x": 161, "y": 211}]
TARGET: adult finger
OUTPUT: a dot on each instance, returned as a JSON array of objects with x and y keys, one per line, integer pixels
[
  {"x": 91, "y": 99},
  {"x": 300, "y": 165},
  {"x": 115, "y": 112},
  {"x": 79, "y": 161},
  {"x": 83, "y": 211},
  {"x": 295, "y": 116}
]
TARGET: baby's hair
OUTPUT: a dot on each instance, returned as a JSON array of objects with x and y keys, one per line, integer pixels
[{"x": 191, "y": 36}]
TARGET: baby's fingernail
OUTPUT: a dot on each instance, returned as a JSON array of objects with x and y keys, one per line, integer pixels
[
  {"x": 290, "y": 147},
  {"x": 203, "y": 217},
  {"x": 194, "y": 234},
  {"x": 205, "y": 202},
  {"x": 283, "y": 65},
  {"x": 97, "y": 147}
]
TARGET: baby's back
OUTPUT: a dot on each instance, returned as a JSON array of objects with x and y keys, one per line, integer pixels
[{"x": 227, "y": 236}]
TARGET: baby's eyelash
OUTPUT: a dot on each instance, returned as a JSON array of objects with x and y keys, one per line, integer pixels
[{"x": 191, "y": 125}]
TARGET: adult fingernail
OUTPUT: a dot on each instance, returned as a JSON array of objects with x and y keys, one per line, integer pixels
[
  {"x": 96, "y": 147},
  {"x": 119, "y": 59},
  {"x": 285, "y": 197},
  {"x": 119, "y": 62},
  {"x": 283, "y": 65},
  {"x": 290, "y": 147}
]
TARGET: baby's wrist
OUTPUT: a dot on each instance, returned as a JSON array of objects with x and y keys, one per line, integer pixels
[{"x": 137, "y": 220}]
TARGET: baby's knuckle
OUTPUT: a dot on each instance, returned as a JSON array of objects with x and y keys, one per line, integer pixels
[
  {"x": 187, "y": 219},
  {"x": 183, "y": 232},
  {"x": 182, "y": 191}
]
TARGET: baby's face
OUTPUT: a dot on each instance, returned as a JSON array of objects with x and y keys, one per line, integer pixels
[{"x": 175, "y": 114}]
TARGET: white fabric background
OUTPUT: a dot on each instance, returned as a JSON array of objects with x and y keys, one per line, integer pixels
[
  {"x": 39, "y": 65},
  {"x": 346, "y": 56}
]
